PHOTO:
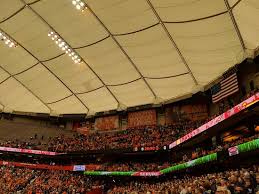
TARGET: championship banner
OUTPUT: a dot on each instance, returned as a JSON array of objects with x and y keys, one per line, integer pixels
[
  {"x": 107, "y": 123},
  {"x": 236, "y": 109},
  {"x": 28, "y": 151},
  {"x": 142, "y": 118}
]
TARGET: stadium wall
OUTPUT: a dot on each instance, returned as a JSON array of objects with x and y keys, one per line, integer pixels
[{"x": 24, "y": 128}]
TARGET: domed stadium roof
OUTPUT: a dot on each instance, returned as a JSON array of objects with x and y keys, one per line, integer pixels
[{"x": 132, "y": 52}]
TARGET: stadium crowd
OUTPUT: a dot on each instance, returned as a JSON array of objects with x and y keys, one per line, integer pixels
[
  {"x": 23, "y": 180},
  {"x": 243, "y": 181},
  {"x": 186, "y": 157},
  {"x": 144, "y": 136}
]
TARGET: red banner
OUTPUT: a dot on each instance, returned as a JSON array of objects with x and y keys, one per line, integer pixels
[
  {"x": 28, "y": 151},
  {"x": 36, "y": 166},
  {"x": 142, "y": 118},
  {"x": 156, "y": 173},
  {"x": 107, "y": 123},
  {"x": 241, "y": 106},
  {"x": 93, "y": 167}
]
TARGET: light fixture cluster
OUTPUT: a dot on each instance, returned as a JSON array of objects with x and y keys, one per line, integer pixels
[
  {"x": 65, "y": 47},
  {"x": 7, "y": 40},
  {"x": 79, "y": 4}
]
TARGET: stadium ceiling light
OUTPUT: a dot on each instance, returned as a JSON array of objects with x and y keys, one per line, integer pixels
[
  {"x": 64, "y": 47},
  {"x": 7, "y": 40},
  {"x": 79, "y": 5}
]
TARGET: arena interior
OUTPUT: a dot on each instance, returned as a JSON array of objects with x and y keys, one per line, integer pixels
[{"x": 129, "y": 96}]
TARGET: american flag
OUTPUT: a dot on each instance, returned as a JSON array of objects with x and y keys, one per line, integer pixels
[{"x": 225, "y": 88}]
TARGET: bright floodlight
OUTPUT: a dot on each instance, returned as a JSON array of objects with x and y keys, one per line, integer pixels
[{"x": 62, "y": 45}]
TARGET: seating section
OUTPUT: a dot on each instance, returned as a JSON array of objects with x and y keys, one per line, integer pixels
[
  {"x": 231, "y": 181},
  {"x": 22, "y": 180}
]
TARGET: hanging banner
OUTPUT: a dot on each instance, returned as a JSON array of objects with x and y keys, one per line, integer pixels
[
  {"x": 142, "y": 118},
  {"x": 28, "y": 151},
  {"x": 236, "y": 109},
  {"x": 107, "y": 123}
]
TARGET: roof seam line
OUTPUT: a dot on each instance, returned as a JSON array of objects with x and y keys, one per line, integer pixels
[
  {"x": 59, "y": 99},
  {"x": 12, "y": 15},
  {"x": 172, "y": 41},
  {"x": 195, "y": 20},
  {"x": 123, "y": 51},
  {"x": 26, "y": 69},
  {"x": 91, "y": 43},
  {"x": 167, "y": 77},
  {"x": 5, "y": 79},
  {"x": 89, "y": 91},
  {"x": 235, "y": 25},
  {"x": 136, "y": 31}
]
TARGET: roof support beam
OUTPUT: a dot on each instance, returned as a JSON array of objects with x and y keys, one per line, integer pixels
[
  {"x": 230, "y": 12},
  {"x": 122, "y": 50},
  {"x": 44, "y": 21},
  {"x": 10, "y": 75},
  {"x": 172, "y": 41}
]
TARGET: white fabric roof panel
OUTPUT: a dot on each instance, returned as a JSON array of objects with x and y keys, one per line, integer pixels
[
  {"x": 123, "y": 16},
  {"x": 11, "y": 59},
  {"x": 247, "y": 16},
  {"x": 108, "y": 61},
  {"x": 70, "y": 105},
  {"x": 79, "y": 78},
  {"x": 8, "y": 7},
  {"x": 133, "y": 94},
  {"x": 43, "y": 84},
  {"x": 153, "y": 53},
  {"x": 32, "y": 33},
  {"x": 211, "y": 47},
  {"x": 185, "y": 10},
  {"x": 176, "y": 86},
  {"x": 99, "y": 100},
  {"x": 16, "y": 97},
  {"x": 134, "y": 52},
  {"x": 85, "y": 29}
]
